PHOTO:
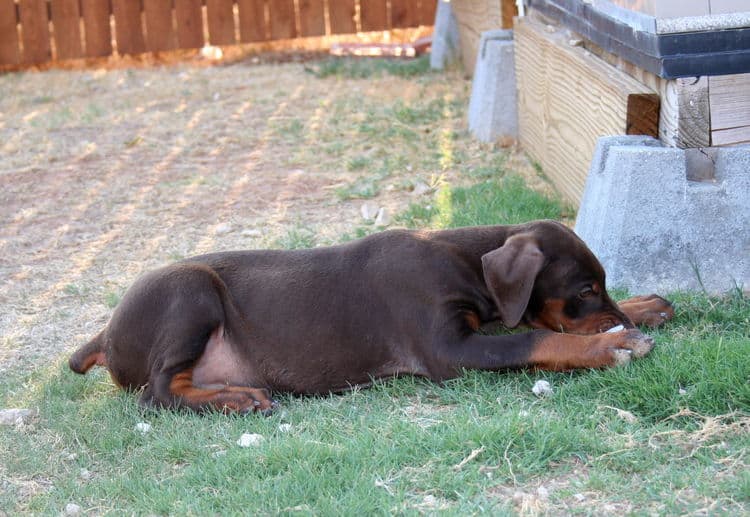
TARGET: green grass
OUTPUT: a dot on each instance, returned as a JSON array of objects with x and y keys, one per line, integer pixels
[
  {"x": 480, "y": 443},
  {"x": 363, "y": 68}
]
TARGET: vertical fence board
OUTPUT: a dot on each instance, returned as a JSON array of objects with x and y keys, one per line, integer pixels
[
  {"x": 34, "y": 31},
  {"x": 128, "y": 27},
  {"x": 427, "y": 10},
  {"x": 312, "y": 18},
  {"x": 373, "y": 15},
  {"x": 220, "y": 22},
  {"x": 66, "y": 27},
  {"x": 341, "y": 14},
  {"x": 97, "y": 28},
  {"x": 404, "y": 13},
  {"x": 9, "y": 54},
  {"x": 189, "y": 18},
  {"x": 159, "y": 30},
  {"x": 281, "y": 17},
  {"x": 252, "y": 20}
]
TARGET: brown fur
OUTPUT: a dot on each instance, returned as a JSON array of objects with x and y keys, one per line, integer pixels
[{"x": 217, "y": 331}]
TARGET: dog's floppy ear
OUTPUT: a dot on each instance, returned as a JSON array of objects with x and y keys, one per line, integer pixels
[{"x": 509, "y": 272}]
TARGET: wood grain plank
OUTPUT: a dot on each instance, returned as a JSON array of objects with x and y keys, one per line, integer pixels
[
  {"x": 474, "y": 17},
  {"x": 642, "y": 114},
  {"x": 66, "y": 26},
  {"x": 729, "y": 101},
  {"x": 128, "y": 27},
  {"x": 35, "y": 31},
  {"x": 97, "y": 28},
  {"x": 189, "y": 21},
  {"x": 220, "y": 22},
  {"x": 732, "y": 136},
  {"x": 312, "y": 18},
  {"x": 281, "y": 17},
  {"x": 252, "y": 20},
  {"x": 9, "y": 50},
  {"x": 684, "y": 119},
  {"x": 567, "y": 99},
  {"x": 160, "y": 33},
  {"x": 341, "y": 14},
  {"x": 373, "y": 15}
]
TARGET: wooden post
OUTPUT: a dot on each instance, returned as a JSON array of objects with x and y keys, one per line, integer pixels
[
  {"x": 97, "y": 28},
  {"x": 35, "y": 31},
  {"x": 66, "y": 21},
  {"x": 9, "y": 52},
  {"x": 189, "y": 19}
]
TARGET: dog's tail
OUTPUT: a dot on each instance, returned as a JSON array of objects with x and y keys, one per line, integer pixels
[{"x": 90, "y": 354}]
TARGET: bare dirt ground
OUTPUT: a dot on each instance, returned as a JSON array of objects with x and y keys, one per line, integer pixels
[{"x": 107, "y": 173}]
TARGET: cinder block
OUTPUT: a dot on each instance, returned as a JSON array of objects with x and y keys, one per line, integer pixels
[
  {"x": 444, "y": 49},
  {"x": 655, "y": 230},
  {"x": 493, "y": 113}
]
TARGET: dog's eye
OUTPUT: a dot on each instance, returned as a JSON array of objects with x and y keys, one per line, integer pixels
[{"x": 586, "y": 292}]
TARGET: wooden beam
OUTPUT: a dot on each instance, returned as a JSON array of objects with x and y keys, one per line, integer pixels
[
  {"x": 685, "y": 116},
  {"x": 567, "y": 99},
  {"x": 729, "y": 99}
]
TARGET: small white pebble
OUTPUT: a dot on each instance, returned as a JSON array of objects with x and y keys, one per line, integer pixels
[
  {"x": 285, "y": 428},
  {"x": 369, "y": 211},
  {"x": 85, "y": 474},
  {"x": 16, "y": 416},
  {"x": 248, "y": 439},
  {"x": 383, "y": 218},
  {"x": 143, "y": 427},
  {"x": 541, "y": 388},
  {"x": 617, "y": 328},
  {"x": 579, "y": 497},
  {"x": 72, "y": 509},
  {"x": 682, "y": 391},
  {"x": 223, "y": 229}
]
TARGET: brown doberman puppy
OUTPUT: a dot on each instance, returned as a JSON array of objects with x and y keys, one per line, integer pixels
[{"x": 219, "y": 331}]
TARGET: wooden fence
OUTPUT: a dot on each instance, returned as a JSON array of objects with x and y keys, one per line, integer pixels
[{"x": 36, "y": 31}]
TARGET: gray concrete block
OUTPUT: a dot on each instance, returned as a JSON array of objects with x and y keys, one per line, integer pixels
[
  {"x": 493, "y": 114},
  {"x": 655, "y": 230},
  {"x": 445, "y": 43}
]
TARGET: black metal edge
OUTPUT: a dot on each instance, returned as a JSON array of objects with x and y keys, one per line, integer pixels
[{"x": 692, "y": 54}]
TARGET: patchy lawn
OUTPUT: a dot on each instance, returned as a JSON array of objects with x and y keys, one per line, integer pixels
[{"x": 108, "y": 173}]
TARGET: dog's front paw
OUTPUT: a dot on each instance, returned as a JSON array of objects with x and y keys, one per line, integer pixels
[
  {"x": 650, "y": 310},
  {"x": 619, "y": 348}
]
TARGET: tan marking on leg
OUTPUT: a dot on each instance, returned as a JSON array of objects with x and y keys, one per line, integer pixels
[
  {"x": 225, "y": 398},
  {"x": 561, "y": 352}
]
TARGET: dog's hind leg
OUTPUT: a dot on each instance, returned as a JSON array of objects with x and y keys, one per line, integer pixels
[
  {"x": 182, "y": 391},
  {"x": 650, "y": 311},
  {"x": 195, "y": 362}
]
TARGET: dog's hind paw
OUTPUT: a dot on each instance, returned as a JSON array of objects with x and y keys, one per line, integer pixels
[{"x": 649, "y": 311}]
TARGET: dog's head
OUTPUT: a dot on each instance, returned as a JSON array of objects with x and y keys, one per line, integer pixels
[{"x": 546, "y": 277}]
